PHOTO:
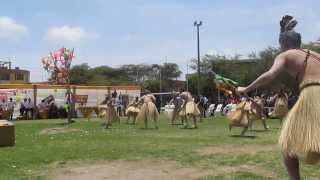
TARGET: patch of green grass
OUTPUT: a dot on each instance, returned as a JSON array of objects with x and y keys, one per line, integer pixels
[{"x": 36, "y": 153}]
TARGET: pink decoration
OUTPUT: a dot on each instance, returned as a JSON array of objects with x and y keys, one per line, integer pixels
[{"x": 58, "y": 64}]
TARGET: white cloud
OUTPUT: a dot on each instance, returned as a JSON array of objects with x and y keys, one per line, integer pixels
[
  {"x": 9, "y": 29},
  {"x": 69, "y": 34}
]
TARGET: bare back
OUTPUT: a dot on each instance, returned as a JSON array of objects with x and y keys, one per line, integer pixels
[
  {"x": 186, "y": 96},
  {"x": 301, "y": 66}
]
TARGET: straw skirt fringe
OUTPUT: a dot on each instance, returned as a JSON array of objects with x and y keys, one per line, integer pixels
[
  {"x": 281, "y": 108},
  {"x": 239, "y": 117},
  {"x": 109, "y": 113},
  {"x": 191, "y": 108},
  {"x": 132, "y": 109},
  {"x": 300, "y": 134},
  {"x": 148, "y": 111}
]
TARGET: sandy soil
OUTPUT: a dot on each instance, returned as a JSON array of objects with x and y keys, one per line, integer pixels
[{"x": 133, "y": 170}]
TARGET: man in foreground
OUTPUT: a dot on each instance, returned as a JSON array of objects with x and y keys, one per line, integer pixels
[{"x": 300, "y": 135}]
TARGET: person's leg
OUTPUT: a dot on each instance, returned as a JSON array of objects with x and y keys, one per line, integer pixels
[
  {"x": 182, "y": 119},
  {"x": 26, "y": 112},
  {"x": 264, "y": 122},
  {"x": 155, "y": 120},
  {"x": 292, "y": 165},
  {"x": 31, "y": 110},
  {"x": 174, "y": 114},
  {"x": 244, "y": 130},
  {"x": 146, "y": 120},
  {"x": 135, "y": 118},
  {"x": 128, "y": 118},
  {"x": 11, "y": 115},
  {"x": 186, "y": 124},
  {"x": 195, "y": 122},
  {"x": 107, "y": 124}
]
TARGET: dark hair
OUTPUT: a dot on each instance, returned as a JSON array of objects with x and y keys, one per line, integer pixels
[{"x": 288, "y": 38}]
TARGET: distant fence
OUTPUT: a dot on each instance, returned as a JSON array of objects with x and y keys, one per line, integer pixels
[{"x": 37, "y": 92}]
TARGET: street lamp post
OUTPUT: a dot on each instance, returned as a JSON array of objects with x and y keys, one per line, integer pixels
[
  {"x": 198, "y": 24},
  {"x": 160, "y": 78},
  {"x": 157, "y": 68},
  {"x": 187, "y": 78}
]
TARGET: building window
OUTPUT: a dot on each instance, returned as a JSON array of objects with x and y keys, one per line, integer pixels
[
  {"x": 19, "y": 77},
  {"x": 4, "y": 77}
]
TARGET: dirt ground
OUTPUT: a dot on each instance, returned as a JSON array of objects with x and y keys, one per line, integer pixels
[
  {"x": 145, "y": 170},
  {"x": 133, "y": 170},
  {"x": 160, "y": 169}
]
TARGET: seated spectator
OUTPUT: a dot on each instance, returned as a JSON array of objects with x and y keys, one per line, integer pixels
[{"x": 53, "y": 111}]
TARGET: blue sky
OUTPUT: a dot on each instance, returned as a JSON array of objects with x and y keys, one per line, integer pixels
[{"x": 119, "y": 32}]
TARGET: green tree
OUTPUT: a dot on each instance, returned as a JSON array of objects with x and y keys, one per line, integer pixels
[{"x": 80, "y": 74}]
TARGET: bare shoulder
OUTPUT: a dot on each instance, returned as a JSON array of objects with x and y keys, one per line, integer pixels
[{"x": 293, "y": 54}]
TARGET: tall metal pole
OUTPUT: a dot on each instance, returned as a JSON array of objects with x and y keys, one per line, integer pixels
[
  {"x": 198, "y": 48},
  {"x": 160, "y": 86},
  {"x": 187, "y": 78}
]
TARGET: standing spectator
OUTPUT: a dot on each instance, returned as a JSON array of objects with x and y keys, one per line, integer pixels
[
  {"x": 202, "y": 106},
  {"x": 114, "y": 94},
  {"x": 125, "y": 102},
  {"x": 11, "y": 105},
  {"x": 23, "y": 107},
  {"x": 29, "y": 108},
  {"x": 118, "y": 105},
  {"x": 3, "y": 105}
]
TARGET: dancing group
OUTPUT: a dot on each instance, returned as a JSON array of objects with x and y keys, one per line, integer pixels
[
  {"x": 300, "y": 135},
  {"x": 143, "y": 110}
]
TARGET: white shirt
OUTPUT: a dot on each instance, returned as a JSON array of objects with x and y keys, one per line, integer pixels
[
  {"x": 3, "y": 105},
  {"x": 11, "y": 105},
  {"x": 24, "y": 104},
  {"x": 28, "y": 105}
]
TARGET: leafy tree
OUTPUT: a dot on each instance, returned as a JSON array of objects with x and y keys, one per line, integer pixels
[
  {"x": 146, "y": 75},
  {"x": 80, "y": 74}
]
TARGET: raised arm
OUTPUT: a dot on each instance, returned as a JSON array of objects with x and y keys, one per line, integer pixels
[{"x": 266, "y": 77}]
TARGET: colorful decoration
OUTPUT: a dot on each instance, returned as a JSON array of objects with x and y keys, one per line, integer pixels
[
  {"x": 226, "y": 85},
  {"x": 58, "y": 65}
]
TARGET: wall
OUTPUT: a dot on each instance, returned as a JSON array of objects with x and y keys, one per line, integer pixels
[{"x": 96, "y": 94}]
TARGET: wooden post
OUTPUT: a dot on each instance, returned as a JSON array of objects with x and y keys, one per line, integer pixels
[
  {"x": 73, "y": 105},
  {"x": 109, "y": 92},
  {"x": 35, "y": 109},
  {"x": 69, "y": 103}
]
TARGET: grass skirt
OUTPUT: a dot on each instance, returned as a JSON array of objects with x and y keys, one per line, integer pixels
[
  {"x": 132, "y": 109},
  {"x": 148, "y": 111},
  {"x": 281, "y": 108},
  {"x": 300, "y": 134},
  {"x": 245, "y": 113},
  {"x": 109, "y": 113},
  {"x": 239, "y": 117},
  {"x": 191, "y": 108}
]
